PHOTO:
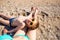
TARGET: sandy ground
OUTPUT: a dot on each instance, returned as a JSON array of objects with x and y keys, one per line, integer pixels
[{"x": 49, "y": 15}]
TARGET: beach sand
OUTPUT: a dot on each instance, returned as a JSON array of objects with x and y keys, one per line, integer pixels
[{"x": 49, "y": 15}]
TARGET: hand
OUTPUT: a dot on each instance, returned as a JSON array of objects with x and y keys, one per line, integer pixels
[{"x": 5, "y": 31}]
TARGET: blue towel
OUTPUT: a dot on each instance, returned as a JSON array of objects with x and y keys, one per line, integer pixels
[{"x": 5, "y": 37}]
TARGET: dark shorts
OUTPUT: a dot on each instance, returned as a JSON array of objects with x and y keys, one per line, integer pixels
[
  {"x": 11, "y": 20},
  {"x": 10, "y": 27}
]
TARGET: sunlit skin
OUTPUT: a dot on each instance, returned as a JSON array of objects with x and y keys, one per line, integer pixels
[{"x": 22, "y": 22}]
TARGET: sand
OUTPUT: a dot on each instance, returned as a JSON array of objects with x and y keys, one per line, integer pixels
[{"x": 49, "y": 15}]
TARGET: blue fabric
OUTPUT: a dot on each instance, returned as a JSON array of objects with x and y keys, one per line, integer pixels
[
  {"x": 5, "y": 37},
  {"x": 8, "y": 37},
  {"x": 10, "y": 28},
  {"x": 25, "y": 36},
  {"x": 11, "y": 20}
]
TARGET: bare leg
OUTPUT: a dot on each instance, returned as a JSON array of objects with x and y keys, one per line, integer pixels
[
  {"x": 19, "y": 37},
  {"x": 32, "y": 34},
  {"x": 4, "y": 22},
  {"x": 5, "y": 16}
]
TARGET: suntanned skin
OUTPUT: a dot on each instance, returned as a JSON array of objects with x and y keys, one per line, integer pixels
[
  {"x": 19, "y": 21},
  {"x": 15, "y": 23},
  {"x": 31, "y": 33}
]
